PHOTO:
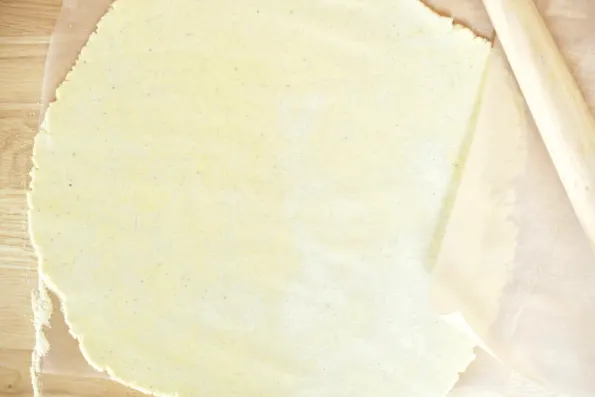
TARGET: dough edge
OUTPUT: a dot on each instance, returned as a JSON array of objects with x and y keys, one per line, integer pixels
[{"x": 43, "y": 311}]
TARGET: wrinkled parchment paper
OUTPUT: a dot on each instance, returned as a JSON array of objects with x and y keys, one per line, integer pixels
[{"x": 512, "y": 258}]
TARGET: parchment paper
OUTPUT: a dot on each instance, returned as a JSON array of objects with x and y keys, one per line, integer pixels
[{"x": 513, "y": 259}]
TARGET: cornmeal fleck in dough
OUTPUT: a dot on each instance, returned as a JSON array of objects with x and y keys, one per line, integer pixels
[{"x": 236, "y": 198}]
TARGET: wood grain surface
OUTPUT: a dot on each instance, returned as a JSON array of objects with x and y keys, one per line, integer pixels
[{"x": 25, "y": 28}]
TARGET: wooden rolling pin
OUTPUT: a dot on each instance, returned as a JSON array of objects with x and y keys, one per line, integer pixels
[{"x": 560, "y": 112}]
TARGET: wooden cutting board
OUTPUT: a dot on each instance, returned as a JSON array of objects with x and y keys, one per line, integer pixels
[{"x": 25, "y": 27}]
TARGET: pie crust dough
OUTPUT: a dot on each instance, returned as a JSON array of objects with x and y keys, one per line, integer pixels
[{"x": 237, "y": 198}]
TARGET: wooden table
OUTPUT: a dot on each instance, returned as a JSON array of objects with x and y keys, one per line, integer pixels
[{"x": 25, "y": 28}]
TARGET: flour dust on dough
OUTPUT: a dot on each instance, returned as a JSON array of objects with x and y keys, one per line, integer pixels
[{"x": 236, "y": 198}]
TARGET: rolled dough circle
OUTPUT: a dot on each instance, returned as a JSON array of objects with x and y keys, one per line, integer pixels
[{"x": 237, "y": 198}]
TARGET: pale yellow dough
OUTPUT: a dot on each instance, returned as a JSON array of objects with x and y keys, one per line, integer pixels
[{"x": 237, "y": 198}]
